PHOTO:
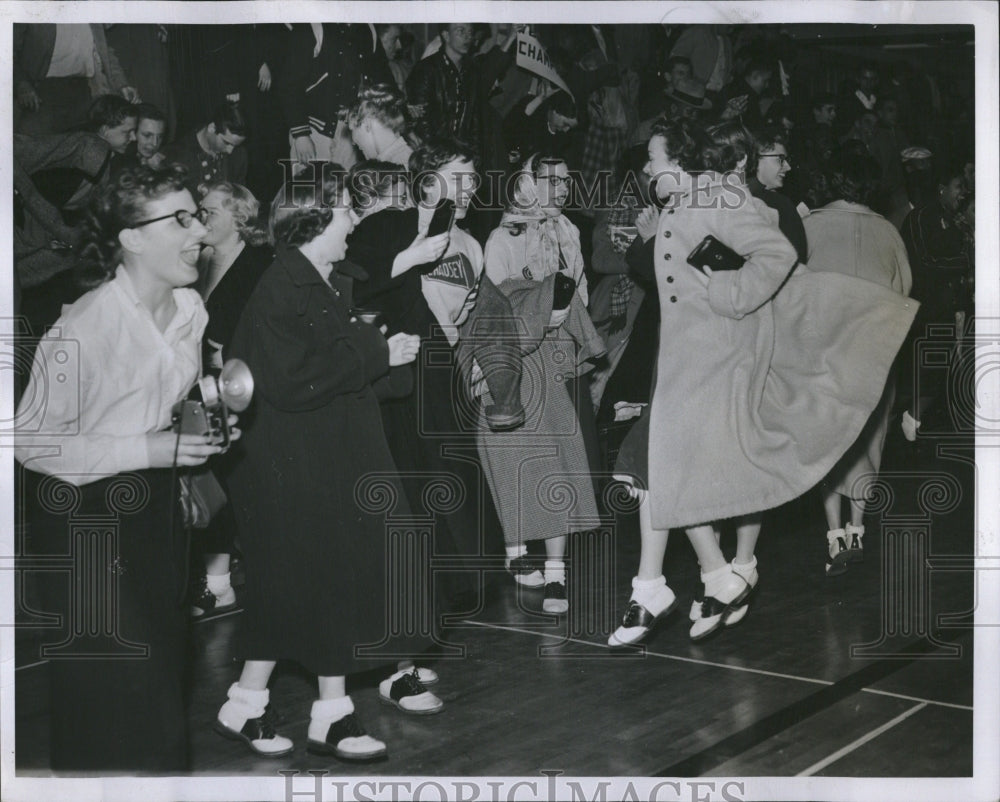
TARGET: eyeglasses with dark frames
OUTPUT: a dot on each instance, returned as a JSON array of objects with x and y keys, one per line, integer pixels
[
  {"x": 182, "y": 216},
  {"x": 781, "y": 157}
]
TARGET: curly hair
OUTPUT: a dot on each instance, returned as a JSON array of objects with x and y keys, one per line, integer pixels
[
  {"x": 430, "y": 157},
  {"x": 295, "y": 223},
  {"x": 385, "y": 104},
  {"x": 371, "y": 180},
  {"x": 244, "y": 207},
  {"x": 680, "y": 141},
  {"x": 120, "y": 204},
  {"x": 724, "y": 145}
]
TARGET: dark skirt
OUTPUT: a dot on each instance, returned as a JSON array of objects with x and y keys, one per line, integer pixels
[
  {"x": 116, "y": 673},
  {"x": 432, "y": 434}
]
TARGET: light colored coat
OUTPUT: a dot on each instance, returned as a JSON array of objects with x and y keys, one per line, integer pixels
[
  {"x": 753, "y": 396},
  {"x": 852, "y": 239}
]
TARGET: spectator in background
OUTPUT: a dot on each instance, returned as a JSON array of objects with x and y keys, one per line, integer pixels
[
  {"x": 813, "y": 143},
  {"x": 447, "y": 91},
  {"x": 390, "y": 36},
  {"x": 887, "y": 145},
  {"x": 939, "y": 257},
  {"x": 58, "y": 70},
  {"x": 150, "y": 129},
  {"x": 378, "y": 123},
  {"x": 233, "y": 259},
  {"x": 685, "y": 99},
  {"x": 711, "y": 54},
  {"x": 767, "y": 166},
  {"x": 920, "y": 182},
  {"x": 654, "y": 99},
  {"x": 743, "y": 98},
  {"x": 327, "y": 65},
  {"x": 857, "y": 96},
  {"x": 537, "y": 125},
  {"x": 213, "y": 153},
  {"x": 113, "y": 119}
]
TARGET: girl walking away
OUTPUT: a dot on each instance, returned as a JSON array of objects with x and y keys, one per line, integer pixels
[{"x": 846, "y": 236}]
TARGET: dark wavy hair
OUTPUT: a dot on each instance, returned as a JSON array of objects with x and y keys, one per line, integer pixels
[
  {"x": 228, "y": 118},
  {"x": 763, "y": 142},
  {"x": 372, "y": 179},
  {"x": 853, "y": 174},
  {"x": 723, "y": 145},
  {"x": 120, "y": 204},
  {"x": 298, "y": 216},
  {"x": 147, "y": 111},
  {"x": 110, "y": 111},
  {"x": 431, "y": 157},
  {"x": 680, "y": 138}
]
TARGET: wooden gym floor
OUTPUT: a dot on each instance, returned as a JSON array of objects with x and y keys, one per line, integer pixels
[{"x": 867, "y": 674}]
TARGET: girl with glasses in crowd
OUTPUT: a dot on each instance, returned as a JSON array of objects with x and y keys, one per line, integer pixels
[{"x": 125, "y": 354}]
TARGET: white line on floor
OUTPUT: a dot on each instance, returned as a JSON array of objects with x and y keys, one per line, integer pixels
[
  {"x": 728, "y": 666},
  {"x": 860, "y": 742}
]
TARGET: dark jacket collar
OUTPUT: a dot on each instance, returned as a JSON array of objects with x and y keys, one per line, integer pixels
[{"x": 303, "y": 272}]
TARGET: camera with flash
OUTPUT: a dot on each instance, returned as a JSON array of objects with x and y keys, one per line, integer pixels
[{"x": 206, "y": 409}]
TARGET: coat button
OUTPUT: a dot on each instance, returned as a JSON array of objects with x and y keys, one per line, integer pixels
[
  {"x": 670, "y": 279},
  {"x": 667, "y": 257},
  {"x": 670, "y": 211},
  {"x": 673, "y": 299},
  {"x": 667, "y": 234}
]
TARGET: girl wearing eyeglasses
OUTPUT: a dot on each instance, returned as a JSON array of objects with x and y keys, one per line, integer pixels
[{"x": 99, "y": 404}]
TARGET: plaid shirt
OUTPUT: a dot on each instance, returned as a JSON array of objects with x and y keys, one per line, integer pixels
[{"x": 602, "y": 147}]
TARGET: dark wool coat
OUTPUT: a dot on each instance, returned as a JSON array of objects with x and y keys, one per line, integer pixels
[
  {"x": 756, "y": 399},
  {"x": 312, "y": 527}
]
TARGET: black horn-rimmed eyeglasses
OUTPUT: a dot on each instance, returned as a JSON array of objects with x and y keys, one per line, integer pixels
[{"x": 182, "y": 216}]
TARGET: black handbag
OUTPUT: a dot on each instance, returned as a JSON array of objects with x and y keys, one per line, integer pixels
[{"x": 713, "y": 254}]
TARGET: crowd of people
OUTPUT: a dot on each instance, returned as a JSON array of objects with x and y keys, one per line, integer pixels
[{"x": 447, "y": 268}]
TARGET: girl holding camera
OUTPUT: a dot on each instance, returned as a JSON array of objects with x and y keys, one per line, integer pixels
[{"x": 107, "y": 377}]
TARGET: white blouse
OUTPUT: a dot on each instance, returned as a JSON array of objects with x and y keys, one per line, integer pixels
[{"x": 103, "y": 378}]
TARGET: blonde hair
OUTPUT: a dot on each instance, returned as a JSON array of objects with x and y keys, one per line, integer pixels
[{"x": 245, "y": 209}]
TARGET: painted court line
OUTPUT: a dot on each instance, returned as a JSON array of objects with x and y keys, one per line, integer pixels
[
  {"x": 745, "y": 669},
  {"x": 860, "y": 741}
]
